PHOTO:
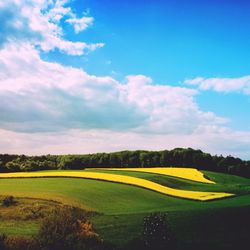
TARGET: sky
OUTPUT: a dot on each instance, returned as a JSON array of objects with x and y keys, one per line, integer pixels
[{"x": 84, "y": 76}]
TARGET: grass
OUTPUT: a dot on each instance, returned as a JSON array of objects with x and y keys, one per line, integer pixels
[
  {"x": 23, "y": 217},
  {"x": 104, "y": 197},
  {"x": 122, "y": 207},
  {"x": 222, "y": 182},
  {"x": 135, "y": 181},
  {"x": 184, "y": 173},
  {"x": 195, "y": 229},
  {"x": 17, "y": 227},
  {"x": 114, "y": 198}
]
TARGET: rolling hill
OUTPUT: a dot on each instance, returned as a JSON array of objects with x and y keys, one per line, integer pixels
[{"x": 121, "y": 207}]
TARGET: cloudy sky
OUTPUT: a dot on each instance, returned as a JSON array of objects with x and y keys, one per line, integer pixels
[{"x": 82, "y": 76}]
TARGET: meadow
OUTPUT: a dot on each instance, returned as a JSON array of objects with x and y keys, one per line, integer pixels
[
  {"x": 121, "y": 207},
  {"x": 190, "y": 174}
]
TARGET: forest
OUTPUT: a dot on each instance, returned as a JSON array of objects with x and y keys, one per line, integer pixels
[{"x": 178, "y": 157}]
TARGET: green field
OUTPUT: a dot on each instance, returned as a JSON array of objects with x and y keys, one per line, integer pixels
[{"x": 122, "y": 207}]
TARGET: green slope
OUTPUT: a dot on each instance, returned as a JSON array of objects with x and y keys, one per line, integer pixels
[
  {"x": 113, "y": 198},
  {"x": 123, "y": 206},
  {"x": 224, "y": 182}
]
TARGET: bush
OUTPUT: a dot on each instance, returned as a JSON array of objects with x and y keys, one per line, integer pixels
[
  {"x": 8, "y": 201},
  {"x": 17, "y": 243},
  {"x": 20, "y": 243},
  {"x": 156, "y": 232},
  {"x": 67, "y": 228}
]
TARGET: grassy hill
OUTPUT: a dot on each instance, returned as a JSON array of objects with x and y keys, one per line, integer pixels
[{"x": 122, "y": 207}]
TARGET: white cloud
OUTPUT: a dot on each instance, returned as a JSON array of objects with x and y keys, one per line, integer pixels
[
  {"x": 49, "y": 108},
  {"x": 42, "y": 96},
  {"x": 46, "y": 107},
  {"x": 241, "y": 84},
  {"x": 41, "y": 23},
  {"x": 78, "y": 141},
  {"x": 80, "y": 24}
]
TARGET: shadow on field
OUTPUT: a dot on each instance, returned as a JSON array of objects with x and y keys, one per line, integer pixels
[
  {"x": 222, "y": 229},
  {"x": 65, "y": 227}
]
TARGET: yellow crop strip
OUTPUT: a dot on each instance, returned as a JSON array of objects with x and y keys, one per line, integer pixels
[
  {"x": 194, "y": 195},
  {"x": 185, "y": 173}
]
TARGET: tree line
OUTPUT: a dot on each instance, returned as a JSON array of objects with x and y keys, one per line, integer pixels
[{"x": 178, "y": 157}]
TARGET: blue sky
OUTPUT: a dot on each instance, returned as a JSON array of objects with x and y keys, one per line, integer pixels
[
  {"x": 124, "y": 75},
  {"x": 171, "y": 41}
]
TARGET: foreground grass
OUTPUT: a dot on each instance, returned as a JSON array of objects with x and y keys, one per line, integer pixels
[
  {"x": 24, "y": 215},
  {"x": 218, "y": 228},
  {"x": 187, "y": 194},
  {"x": 17, "y": 227},
  {"x": 205, "y": 225}
]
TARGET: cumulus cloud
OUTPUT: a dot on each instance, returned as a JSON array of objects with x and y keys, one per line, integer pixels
[
  {"x": 226, "y": 85},
  {"x": 46, "y": 107},
  {"x": 36, "y": 95},
  {"x": 80, "y": 24},
  {"x": 39, "y": 22}
]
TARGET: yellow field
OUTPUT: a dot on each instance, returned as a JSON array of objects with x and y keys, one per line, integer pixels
[
  {"x": 185, "y": 173},
  {"x": 194, "y": 195}
]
